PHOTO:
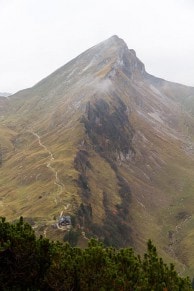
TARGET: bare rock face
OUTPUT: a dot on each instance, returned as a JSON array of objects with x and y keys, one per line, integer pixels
[{"x": 106, "y": 143}]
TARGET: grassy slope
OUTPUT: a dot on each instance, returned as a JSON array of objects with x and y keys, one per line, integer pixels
[
  {"x": 27, "y": 186},
  {"x": 164, "y": 202}
]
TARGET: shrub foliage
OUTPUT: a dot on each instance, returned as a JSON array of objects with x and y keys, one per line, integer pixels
[{"x": 30, "y": 263}]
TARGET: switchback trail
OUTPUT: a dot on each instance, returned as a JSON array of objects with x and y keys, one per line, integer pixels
[{"x": 57, "y": 182}]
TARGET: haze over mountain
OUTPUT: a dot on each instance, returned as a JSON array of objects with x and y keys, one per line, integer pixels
[
  {"x": 4, "y": 94},
  {"x": 107, "y": 143}
]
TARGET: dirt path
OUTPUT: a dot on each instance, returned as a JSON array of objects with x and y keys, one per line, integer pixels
[
  {"x": 84, "y": 235},
  {"x": 57, "y": 181},
  {"x": 45, "y": 232}
]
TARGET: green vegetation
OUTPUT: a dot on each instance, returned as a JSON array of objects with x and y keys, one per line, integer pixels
[{"x": 30, "y": 263}]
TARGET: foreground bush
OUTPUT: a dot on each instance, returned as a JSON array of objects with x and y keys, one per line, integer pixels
[{"x": 28, "y": 263}]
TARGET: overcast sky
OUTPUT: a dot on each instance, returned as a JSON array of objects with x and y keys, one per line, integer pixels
[{"x": 39, "y": 36}]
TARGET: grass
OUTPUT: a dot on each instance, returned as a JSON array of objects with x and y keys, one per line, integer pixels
[
  {"x": 170, "y": 182},
  {"x": 160, "y": 175}
]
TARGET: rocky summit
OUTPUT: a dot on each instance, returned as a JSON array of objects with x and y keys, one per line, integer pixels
[{"x": 104, "y": 148}]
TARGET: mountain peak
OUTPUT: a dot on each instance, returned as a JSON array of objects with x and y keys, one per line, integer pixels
[
  {"x": 106, "y": 59},
  {"x": 114, "y": 42},
  {"x": 114, "y": 39},
  {"x": 124, "y": 58}
]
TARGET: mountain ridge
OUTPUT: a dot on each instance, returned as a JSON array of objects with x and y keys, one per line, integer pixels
[
  {"x": 4, "y": 94},
  {"x": 104, "y": 141}
]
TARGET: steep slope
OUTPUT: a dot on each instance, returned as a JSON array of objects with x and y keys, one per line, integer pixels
[{"x": 105, "y": 142}]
